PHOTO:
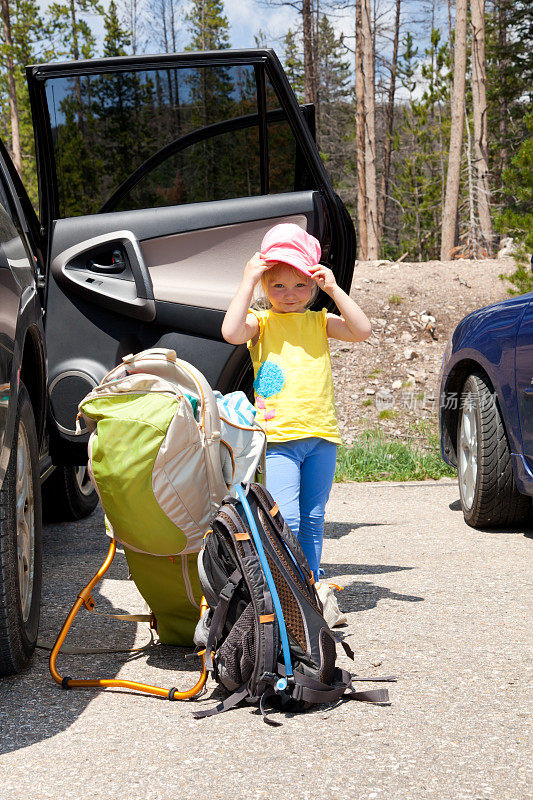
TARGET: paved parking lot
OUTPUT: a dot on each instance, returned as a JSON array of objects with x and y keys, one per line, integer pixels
[{"x": 444, "y": 607}]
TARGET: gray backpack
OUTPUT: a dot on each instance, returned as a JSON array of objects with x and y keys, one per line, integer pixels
[{"x": 265, "y": 639}]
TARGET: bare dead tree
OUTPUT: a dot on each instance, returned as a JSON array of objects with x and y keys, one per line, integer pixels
[
  {"x": 503, "y": 111},
  {"x": 479, "y": 106},
  {"x": 360, "y": 135},
  {"x": 472, "y": 236},
  {"x": 389, "y": 124},
  {"x": 370, "y": 130},
  {"x": 449, "y": 214},
  {"x": 307, "y": 10},
  {"x": 132, "y": 12}
]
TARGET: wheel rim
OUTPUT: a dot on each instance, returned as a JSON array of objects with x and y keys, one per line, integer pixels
[
  {"x": 468, "y": 443},
  {"x": 84, "y": 482},
  {"x": 25, "y": 522}
]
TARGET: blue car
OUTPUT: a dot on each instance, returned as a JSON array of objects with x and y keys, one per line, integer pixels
[{"x": 486, "y": 412}]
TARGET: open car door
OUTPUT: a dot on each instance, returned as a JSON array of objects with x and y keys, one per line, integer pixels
[{"x": 158, "y": 177}]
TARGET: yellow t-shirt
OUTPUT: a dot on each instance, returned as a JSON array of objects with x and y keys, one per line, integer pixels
[{"x": 293, "y": 381}]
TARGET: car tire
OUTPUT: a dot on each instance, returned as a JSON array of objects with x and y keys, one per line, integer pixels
[
  {"x": 20, "y": 544},
  {"x": 68, "y": 494},
  {"x": 489, "y": 497}
]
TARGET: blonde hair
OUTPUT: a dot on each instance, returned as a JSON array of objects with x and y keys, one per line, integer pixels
[{"x": 262, "y": 301}]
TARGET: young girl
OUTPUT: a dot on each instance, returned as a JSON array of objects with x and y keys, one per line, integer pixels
[{"x": 293, "y": 384}]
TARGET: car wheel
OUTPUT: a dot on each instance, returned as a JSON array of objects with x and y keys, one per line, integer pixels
[
  {"x": 68, "y": 494},
  {"x": 20, "y": 545},
  {"x": 489, "y": 496}
]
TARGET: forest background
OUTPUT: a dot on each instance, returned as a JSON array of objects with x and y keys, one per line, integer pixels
[{"x": 423, "y": 110}]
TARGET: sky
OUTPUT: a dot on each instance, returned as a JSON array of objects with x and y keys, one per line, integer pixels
[{"x": 247, "y": 17}]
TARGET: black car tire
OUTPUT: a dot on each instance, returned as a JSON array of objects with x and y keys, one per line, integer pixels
[
  {"x": 68, "y": 494},
  {"x": 489, "y": 497},
  {"x": 20, "y": 545}
]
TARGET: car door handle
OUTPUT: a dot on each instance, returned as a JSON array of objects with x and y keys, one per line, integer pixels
[{"x": 118, "y": 264}]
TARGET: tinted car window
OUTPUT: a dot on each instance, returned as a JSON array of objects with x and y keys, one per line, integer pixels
[
  {"x": 107, "y": 127},
  {"x": 218, "y": 167},
  {"x": 287, "y": 166}
]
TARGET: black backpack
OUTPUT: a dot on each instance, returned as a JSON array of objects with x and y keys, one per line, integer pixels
[{"x": 265, "y": 638}]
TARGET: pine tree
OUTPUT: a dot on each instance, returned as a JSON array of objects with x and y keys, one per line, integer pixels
[
  {"x": 433, "y": 135},
  {"x": 509, "y": 27},
  {"x": 517, "y": 218},
  {"x": 72, "y": 34},
  {"x": 7, "y": 53},
  {"x": 116, "y": 39},
  {"x": 408, "y": 182},
  {"x": 208, "y": 25},
  {"x": 333, "y": 94},
  {"x": 294, "y": 67},
  {"x": 29, "y": 43}
]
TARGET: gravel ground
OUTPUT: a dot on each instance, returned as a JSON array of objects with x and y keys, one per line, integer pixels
[{"x": 441, "y": 605}]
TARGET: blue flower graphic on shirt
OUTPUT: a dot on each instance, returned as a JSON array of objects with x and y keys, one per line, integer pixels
[{"x": 270, "y": 379}]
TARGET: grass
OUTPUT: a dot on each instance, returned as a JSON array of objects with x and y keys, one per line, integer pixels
[
  {"x": 374, "y": 457},
  {"x": 395, "y": 300},
  {"x": 367, "y": 402},
  {"x": 388, "y": 413}
]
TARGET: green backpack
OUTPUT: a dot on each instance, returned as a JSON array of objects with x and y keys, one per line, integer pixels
[{"x": 155, "y": 454}]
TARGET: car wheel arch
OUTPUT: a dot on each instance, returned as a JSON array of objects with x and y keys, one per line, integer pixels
[
  {"x": 452, "y": 389},
  {"x": 33, "y": 375}
]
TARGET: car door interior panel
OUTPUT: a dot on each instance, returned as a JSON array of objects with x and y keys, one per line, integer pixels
[
  {"x": 204, "y": 268},
  {"x": 189, "y": 277}
]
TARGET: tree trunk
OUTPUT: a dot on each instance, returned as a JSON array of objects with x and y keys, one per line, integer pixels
[
  {"x": 370, "y": 133},
  {"x": 449, "y": 214},
  {"x": 309, "y": 72},
  {"x": 317, "y": 72},
  {"x": 503, "y": 159},
  {"x": 16, "y": 152},
  {"x": 360, "y": 136},
  {"x": 473, "y": 244},
  {"x": 479, "y": 105},
  {"x": 389, "y": 125}
]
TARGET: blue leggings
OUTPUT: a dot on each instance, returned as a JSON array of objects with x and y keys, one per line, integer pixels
[{"x": 299, "y": 477}]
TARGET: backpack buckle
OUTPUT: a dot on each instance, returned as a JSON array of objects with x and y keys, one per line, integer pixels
[{"x": 296, "y": 691}]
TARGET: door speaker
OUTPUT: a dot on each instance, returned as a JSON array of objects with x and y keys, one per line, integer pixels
[{"x": 66, "y": 392}]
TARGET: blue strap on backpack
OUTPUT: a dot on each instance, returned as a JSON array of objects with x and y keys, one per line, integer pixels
[{"x": 269, "y": 579}]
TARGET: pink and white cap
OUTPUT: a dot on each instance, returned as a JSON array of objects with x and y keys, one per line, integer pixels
[{"x": 290, "y": 244}]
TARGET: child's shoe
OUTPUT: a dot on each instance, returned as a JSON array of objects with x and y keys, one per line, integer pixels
[{"x": 330, "y": 608}]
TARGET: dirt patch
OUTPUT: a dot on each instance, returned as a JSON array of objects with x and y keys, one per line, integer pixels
[{"x": 392, "y": 379}]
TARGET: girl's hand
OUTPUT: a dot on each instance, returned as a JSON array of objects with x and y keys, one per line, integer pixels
[
  {"x": 255, "y": 268},
  {"x": 324, "y": 277}
]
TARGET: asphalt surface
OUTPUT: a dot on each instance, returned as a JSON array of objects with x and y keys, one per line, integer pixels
[{"x": 445, "y": 608}]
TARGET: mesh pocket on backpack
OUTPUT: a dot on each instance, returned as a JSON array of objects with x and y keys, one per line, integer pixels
[{"x": 236, "y": 656}]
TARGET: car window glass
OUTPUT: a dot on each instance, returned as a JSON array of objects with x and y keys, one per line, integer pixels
[
  {"x": 106, "y": 127},
  {"x": 8, "y": 231},
  {"x": 216, "y": 168},
  {"x": 287, "y": 166}
]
